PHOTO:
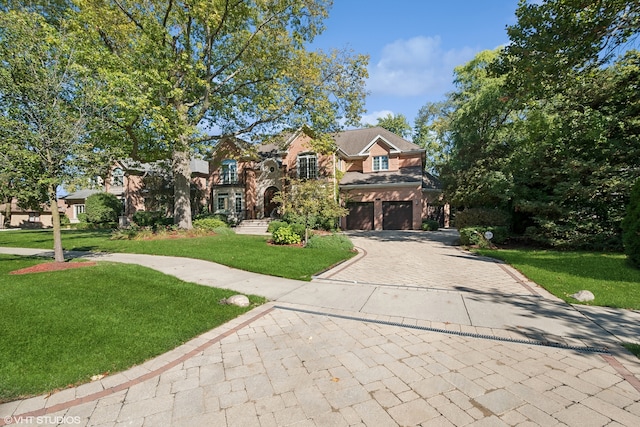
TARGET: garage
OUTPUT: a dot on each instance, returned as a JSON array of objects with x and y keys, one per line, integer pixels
[
  {"x": 397, "y": 215},
  {"x": 360, "y": 216}
]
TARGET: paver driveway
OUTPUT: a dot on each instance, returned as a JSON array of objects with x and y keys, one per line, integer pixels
[{"x": 305, "y": 360}]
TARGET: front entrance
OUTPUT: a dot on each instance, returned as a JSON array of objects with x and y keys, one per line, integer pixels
[
  {"x": 270, "y": 207},
  {"x": 397, "y": 215}
]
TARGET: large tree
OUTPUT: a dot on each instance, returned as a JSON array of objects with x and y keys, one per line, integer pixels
[
  {"x": 184, "y": 74},
  {"x": 43, "y": 109},
  {"x": 396, "y": 123}
]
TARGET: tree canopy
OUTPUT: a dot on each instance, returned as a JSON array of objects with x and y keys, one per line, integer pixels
[{"x": 182, "y": 75}]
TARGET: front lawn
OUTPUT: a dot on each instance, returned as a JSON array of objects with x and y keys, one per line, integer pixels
[
  {"x": 61, "y": 328},
  {"x": 245, "y": 252},
  {"x": 613, "y": 281}
]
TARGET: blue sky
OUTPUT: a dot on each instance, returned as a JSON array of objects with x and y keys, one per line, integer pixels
[{"x": 414, "y": 45}]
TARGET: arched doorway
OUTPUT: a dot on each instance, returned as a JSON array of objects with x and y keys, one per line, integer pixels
[{"x": 270, "y": 207}]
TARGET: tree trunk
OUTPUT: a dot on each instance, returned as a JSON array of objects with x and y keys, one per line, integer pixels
[
  {"x": 58, "y": 254},
  {"x": 182, "y": 189},
  {"x": 7, "y": 213}
]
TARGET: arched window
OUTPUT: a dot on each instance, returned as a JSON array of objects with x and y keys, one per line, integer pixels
[
  {"x": 307, "y": 166},
  {"x": 229, "y": 172},
  {"x": 117, "y": 177}
]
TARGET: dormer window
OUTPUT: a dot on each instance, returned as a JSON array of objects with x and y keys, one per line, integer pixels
[
  {"x": 117, "y": 177},
  {"x": 229, "y": 172},
  {"x": 381, "y": 163},
  {"x": 307, "y": 166}
]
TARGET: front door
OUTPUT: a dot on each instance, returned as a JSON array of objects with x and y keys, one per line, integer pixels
[{"x": 270, "y": 207}]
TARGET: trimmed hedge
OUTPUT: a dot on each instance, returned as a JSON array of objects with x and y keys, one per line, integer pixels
[{"x": 209, "y": 224}]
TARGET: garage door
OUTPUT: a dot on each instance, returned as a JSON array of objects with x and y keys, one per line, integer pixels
[
  {"x": 360, "y": 216},
  {"x": 397, "y": 215}
]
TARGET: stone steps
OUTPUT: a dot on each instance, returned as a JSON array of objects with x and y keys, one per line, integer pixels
[{"x": 253, "y": 226}]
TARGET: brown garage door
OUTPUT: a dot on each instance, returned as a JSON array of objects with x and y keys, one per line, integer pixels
[
  {"x": 397, "y": 215},
  {"x": 360, "y": 216}
]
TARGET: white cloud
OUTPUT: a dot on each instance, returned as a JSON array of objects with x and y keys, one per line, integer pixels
[
  {"x": 417, "y": 66},
  {"x": 372, "y": 119}
]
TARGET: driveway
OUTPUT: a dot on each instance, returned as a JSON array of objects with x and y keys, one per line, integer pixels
[{"x": 411, "y": 332}]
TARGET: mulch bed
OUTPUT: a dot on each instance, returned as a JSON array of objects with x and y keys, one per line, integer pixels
[{"x": 46, "y": 267}]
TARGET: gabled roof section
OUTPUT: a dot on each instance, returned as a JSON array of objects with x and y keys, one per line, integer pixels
[
  {"x": 81, "y": 194},
  {"x": 356, "y": 143},
  {"x": 279, "y": 143}
]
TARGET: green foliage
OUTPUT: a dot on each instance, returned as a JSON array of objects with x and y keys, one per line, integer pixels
[
  {"x": 286, "y": 236},
  {"x": 332, "y": 241},
  {"x": 64, "y": 221},
  {"x": 475, "y": 236},
  {"x": 243, "y": 69},
  {"x": 631, "y": 226},
  {"x": 310, "y": 203},
  {"x": 210, "y": 224},
  {"x": 102, "y": 208},
  {"x": 151, "y": 219},
  {"x": 82, "y": 217},
  {"x": 397, "y": 124},
  {"x": 430, "y": 225},
  {"x": 481, "y": 217},
  {"x": 275, "y": 225}
]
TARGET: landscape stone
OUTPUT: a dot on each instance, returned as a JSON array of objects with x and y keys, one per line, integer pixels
[{"x": 583, "y": 296}]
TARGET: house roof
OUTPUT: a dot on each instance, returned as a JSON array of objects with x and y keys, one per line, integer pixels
[
  {"x": 405, "y": 176},
  {"x": 412, "y": 175},
  {"x": 357, "y": 142},
  {"x": 80, "y": 194}
]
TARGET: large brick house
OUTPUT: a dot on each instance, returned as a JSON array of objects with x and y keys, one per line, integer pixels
[{"x": 380, "y": 176}]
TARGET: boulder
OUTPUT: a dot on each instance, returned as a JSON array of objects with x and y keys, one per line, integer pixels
[
  {"x": 583, "y": 296},
  {"x": 239, "y": 300}
]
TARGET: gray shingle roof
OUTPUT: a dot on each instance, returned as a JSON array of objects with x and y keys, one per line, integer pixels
[
  {"x": 80, "y": 194},
  {"x": 352, "y": 142},
  {"x": 412, "y": 175}
]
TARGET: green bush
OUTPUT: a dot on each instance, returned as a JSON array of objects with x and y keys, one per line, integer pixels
[
  {"x": 286, "y": 236},
  {"x": 482, "y": 217},
  {"x": 430, "y": 225},
  {"x": 102, "y": 208},
  {"x": 151, "y": 219},
  {"x": 64, "y": 221},
  {"x": 333, "y": 241},
  {"x": 209, "y": 224},
  {"x": 82, "y": 217},
  {"x": 631, "y": 226},
  {"x": 274, "y": 225},
  {"x": 475, "y": 236}
]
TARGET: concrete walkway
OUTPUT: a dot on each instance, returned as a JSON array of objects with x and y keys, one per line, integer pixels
[{"x": 412, "y": 331}]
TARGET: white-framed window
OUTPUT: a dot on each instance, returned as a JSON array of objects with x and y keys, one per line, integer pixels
[
  {"x": 307, "y": 166},
  {"x": 229, "y": 172},
  {"x": 238, "y": 203},
  {"x": 381, "y": 163},
  {"x": 34, "y": 216},
  {"x": 78, "y": 209},
  {"x": 222, "y": 202},
  {"x": 117, "y": 177}
]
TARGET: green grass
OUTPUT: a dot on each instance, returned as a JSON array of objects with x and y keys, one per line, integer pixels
[
  {"x": 60, "y": 328},
  {"x": 250, "y": 253},
  {"x": 633, "y": 348},
  {"x": 613, "y": 281}
]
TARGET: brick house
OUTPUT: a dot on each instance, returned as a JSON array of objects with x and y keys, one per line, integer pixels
[{"x": 381, "y": 178}]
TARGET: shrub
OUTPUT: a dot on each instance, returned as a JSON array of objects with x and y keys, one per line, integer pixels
[
  {"x": 64, "y": 221},
  {"x": 102, "y": 208},
  {"x": 475, "y": 236},
  {"x": 82, "y": 217},
  {"x": 209, "y": 224},
  {"x": 333, "y": 241},
  {"x": 274, "y": 225},
  {"x": 286, "y": 236},
  {"x": 430, "y": 225},
  {"x": 631, "y": 226},
  {"x": 482, "y": 217},
  {"x": 151, "y": 219}
]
